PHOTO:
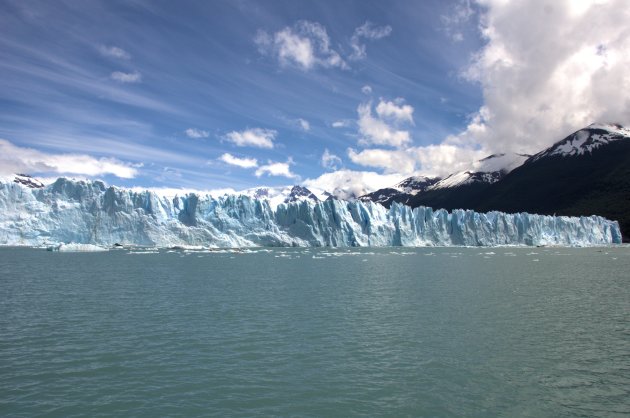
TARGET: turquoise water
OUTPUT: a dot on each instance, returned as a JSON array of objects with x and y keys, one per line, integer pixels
[{"x": 294, "y": 332}]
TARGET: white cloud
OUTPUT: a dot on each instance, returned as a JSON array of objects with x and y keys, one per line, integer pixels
[
  {"x": 533, "y": 95},
  {"x": 256, "y": 137},
  {"x": 376, "y": 131},
  {"x": 366, "y": 90},
  {"x": 366, "y": 31},
  {"x": 306, "y": 45},
  {"x": 16, "y": 159},
  {"x": 396, "y": 110},
  {"x": 330, "y": 160},
  {"x": 196, "y": 133},
  {"x": 432, "y": 160},
  {"x": 114, "y": 52},
  {"x": 346, "y": 184},
  {"x": 444, "y": 159},
  {"x": 343, "y": 123},
  {"x": 304, "y": 125},
  {"x": 391, "y": 161},
  {"x": 277, "y": 169},
  {"x": 239, "y": 162},
  {"x": 459, "y": 14},
  {"x": 121, "y": 77}
]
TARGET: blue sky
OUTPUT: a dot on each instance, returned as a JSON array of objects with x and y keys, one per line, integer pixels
[{"x": 236, "y": 94}]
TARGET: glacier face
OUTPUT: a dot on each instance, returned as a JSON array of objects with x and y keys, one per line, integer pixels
[{"x": 92, "y": 213}]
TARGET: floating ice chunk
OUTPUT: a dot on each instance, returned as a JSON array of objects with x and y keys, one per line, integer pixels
[{"x": 77, "y": 248}]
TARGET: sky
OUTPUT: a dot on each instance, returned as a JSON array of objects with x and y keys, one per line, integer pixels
[{"x": 337, "y": 95}]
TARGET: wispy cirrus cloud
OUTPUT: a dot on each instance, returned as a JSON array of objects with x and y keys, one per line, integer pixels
[
  {"x": 114, "y": 52},
  {"x": 453, "y": 21},
  {"x": 255, "y": 137},
  {"x": 367, "y": 31},
  {"x": 330, "y": 161},
  {"x": 122, "y": 77},
  {"x": 304, "y": 124},
  {"x": 342, "y": 123}
]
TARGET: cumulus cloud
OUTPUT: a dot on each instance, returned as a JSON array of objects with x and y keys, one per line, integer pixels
[
  {"x": 548, "y": 69},
  {"x": 432, "y": 160},
  {"x": 277, "y": 169},
  {"x": 330, "y": 161},
  {"x": 256, "y": 137},
  {"x": 239, "y": 162},
  {"x": 348, "y": 184},
  {"x": 114, "y": 52},
  {"x": 377, "y": 131},
  {"x": 196, "y": 133},
  {"x": 391, "y": 161},
  {"x": 396, "y": 110},
  {"x": 305, "y": 45},
  {"x": 367, "y": 31},
  {"x": 121, "y": 77},
  {"x": 443, "y": 159},
  {"x": 16, "y": 159}
]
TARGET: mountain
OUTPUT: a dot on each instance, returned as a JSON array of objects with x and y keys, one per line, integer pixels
[
  {"x": 283, "y": 194},
  {"x": 299, "y": 194},
  {"x": 401, "y": 192},
  {"x": 451, "y": 192},
  {"x": 89, "y": 212},
  {"x": 586, "y": 173},
  {"x": 28, "y": 181}
]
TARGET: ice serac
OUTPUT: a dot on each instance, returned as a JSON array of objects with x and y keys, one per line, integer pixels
[{"x": 92, "y": 213}]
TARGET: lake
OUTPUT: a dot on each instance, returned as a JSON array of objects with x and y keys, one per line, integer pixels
[{"x": 467, "y": 332}]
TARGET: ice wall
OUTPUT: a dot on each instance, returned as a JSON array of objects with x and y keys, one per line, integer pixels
[{"x": 91, "y": 213}]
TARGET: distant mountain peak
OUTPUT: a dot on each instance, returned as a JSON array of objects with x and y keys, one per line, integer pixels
[
  {"x": 585, "y": 141},
  {"x": 28, "y": 181},
  {"x": 415, "y": 184},
  {"x": 402, "y": 191},
  {"x": 300, "y": 193}
]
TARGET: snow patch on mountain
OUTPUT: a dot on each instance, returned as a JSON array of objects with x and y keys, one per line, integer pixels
[
  {"x": 488, "y": 170},
  {"x": 416, "y": 184}
]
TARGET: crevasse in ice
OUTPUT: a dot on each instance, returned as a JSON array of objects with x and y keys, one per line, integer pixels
[{"x": 91, "y": 213}]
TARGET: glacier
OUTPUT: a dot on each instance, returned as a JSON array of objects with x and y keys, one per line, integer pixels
[{"x": 89, "y": 212}]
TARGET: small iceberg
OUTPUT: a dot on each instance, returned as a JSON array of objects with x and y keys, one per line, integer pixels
[{"x": 76, "y": 248}]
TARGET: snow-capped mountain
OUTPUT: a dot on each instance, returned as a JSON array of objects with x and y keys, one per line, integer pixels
[
  {"x": 416, "y": 184},
  {"x": 283, "y": 194},
  {"x": 486, "y": 171},
  {"x": 92, "y": 213},
  {"x": 401, "y": 192},
  {"x": 28, "y": 181},
  {"x": 585, "y": 141},
  {"x": 299, "y": 194},
  {"x": 586, "y": 173}
]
